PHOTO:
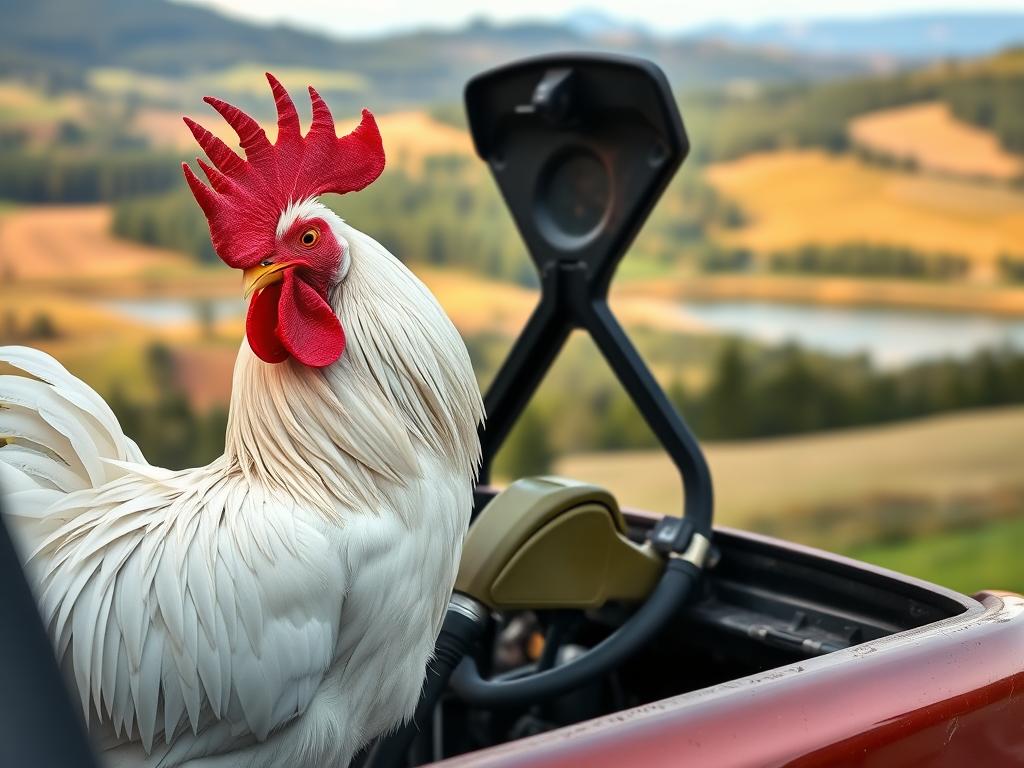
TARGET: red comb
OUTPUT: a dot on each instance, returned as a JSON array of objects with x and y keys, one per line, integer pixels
[{"x": 245, "y": 198}]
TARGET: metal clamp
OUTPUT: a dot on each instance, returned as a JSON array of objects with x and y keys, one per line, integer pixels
[{"x": 696, "y": 553}]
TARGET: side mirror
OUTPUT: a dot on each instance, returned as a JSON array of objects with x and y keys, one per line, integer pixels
[{"x": 581, "y": 147}]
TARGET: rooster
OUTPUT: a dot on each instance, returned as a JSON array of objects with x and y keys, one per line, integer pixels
[{"x": 276, "y": 607}]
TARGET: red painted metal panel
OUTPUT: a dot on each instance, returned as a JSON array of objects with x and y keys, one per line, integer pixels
[{"x": 947, "y": 694}]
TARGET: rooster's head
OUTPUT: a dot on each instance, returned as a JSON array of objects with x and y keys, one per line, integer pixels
[{"x": 265, "y": 220}]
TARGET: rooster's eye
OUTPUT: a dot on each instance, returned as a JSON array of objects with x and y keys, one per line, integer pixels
[{"x": 309, "y": 238}]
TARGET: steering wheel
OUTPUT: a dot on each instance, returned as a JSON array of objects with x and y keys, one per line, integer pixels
[{"x": 550, "y": 543}]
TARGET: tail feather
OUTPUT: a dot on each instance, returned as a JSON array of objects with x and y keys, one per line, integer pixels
[
  {"x": 76, "y": 392},
  {"x": 46, "y": 472},
  {"x": 57, "y": 435}
]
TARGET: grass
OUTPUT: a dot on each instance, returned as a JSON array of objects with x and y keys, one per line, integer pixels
[
  {"x": 796, "y": 197},
  {"x": 930, "y": 136},
  {"x": 987, "y": 557}
]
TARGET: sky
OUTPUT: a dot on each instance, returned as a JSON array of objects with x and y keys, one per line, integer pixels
[{"x": 380, "y": 16}]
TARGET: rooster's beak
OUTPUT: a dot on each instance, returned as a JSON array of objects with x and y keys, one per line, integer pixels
[{"x": 256, "y": 278}]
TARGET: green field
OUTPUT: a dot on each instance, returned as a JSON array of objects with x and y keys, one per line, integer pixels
[{"x": 987, "y": 557}]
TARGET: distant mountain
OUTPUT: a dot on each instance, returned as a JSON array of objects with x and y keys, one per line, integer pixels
[
  {"x": 64, "y": 39},
  {"x": 594, "y": 23},
  {"x": 925, "y": 36}
]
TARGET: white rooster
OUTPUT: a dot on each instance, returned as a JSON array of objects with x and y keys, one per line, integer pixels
[{"x": 278, "y": 606}]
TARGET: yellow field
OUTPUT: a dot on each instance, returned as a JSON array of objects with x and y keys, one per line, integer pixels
[
  {"x": 808, "y": 196},
  {"x": 411, "y": 137},
  {"x": 57, "y": 241},
  {"x": 967, "y": 453},
  {"x": 22, "y": 102},
  {"x": 934, "y": 140}
]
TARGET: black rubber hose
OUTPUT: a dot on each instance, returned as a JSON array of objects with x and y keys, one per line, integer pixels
[
  {"x": 671, "y": 593},
  {"x": 457, "y": 640}
]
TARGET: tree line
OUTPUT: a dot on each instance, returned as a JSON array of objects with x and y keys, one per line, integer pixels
[
  {"x": 757, "y": 393},
  {"x": 870, "y": 260},
  {"x": 1011, "y": 267},
  {"x": 752, "y": 392},
  {"x": 73, "y": 176},
  {"x": 169, "y": 429},
  {"x": 993, "y": 101},
  {"x": 858, "y": 259}
]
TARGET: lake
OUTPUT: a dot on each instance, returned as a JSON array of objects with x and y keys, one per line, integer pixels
[
  {"x": 891, "y": 337},
  {"x": 168, "y": 312}
]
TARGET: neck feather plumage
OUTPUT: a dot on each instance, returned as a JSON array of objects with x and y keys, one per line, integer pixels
[{"x": 350, "y": 436}]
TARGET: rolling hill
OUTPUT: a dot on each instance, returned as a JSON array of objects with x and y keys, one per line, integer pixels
[
  {"x": 811, "y": 197},
  {"x": 767, "y": 484},
  {"x": 938, "y": 498},
  {"x": 65, "y": 39},
  {"x": 927, "y": 136}
]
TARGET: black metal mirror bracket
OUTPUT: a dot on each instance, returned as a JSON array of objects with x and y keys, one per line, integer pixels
[{"x": 581, "y": 148}]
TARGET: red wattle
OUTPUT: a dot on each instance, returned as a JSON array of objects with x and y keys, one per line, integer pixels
[
  {"x": 306, "y": 324},
  {"x": 291, "y": 318},
  {"x": 261, "y": 325}
]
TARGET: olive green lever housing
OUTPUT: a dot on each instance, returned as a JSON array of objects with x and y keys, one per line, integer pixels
[{"x": 549, "y": 542}]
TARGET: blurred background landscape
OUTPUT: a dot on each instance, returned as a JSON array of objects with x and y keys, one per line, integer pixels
[{"x": 831, "y": 290}]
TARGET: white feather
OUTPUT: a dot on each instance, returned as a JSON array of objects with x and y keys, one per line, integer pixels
[
  {"x": 79, "y": 394},
  {"x": 46, "y": 472},
  {"x": 276, "y": 607}
]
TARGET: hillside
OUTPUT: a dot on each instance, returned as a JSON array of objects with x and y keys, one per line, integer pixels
[
  {"x": 927, "y": 136},
  {"x": 67, "y": 39},
  {"x": 798, "y": 197},
  {"x": 939, "y": 498},
  {"x": 772, "y": 484}
]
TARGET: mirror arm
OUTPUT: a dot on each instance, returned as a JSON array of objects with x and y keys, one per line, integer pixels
[
  {"x": 568, "y": 302},
  {"x": 529, "y": 360},
  {"x": 657, "y": 410}
]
